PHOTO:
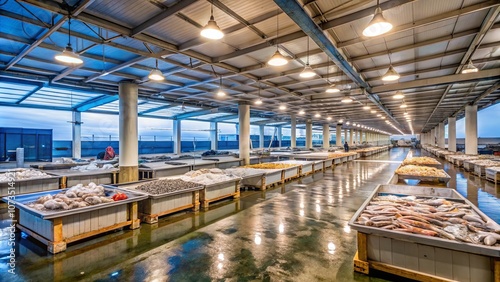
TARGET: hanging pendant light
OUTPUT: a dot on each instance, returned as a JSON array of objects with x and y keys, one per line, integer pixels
[
  {"x": 378, "y": 25},
  {"x": 301, "y": 112},
  {"x": 366, "y": 107},
  {"x": 68, "y": 55},
  {"x": 282, "y": 107},
  {"x": 399, "y": 95},
  {"x": 346, "y": 99},
  {"x": 469, "y": 68},
  {"x": 332, "y": 89},
  {"x": 403, "y": 106},
  {"x": 373, "y": 111},
  {"x": 259, "y": 100},
  {"x": 156, "y": 74},
  {"x": 211, "y": 30},
  {"x": 221, "y": 92},
  {"x": 328, "y": 118},
  {"x": 391, "y": 75},
  {"x": 277, "y": 59},
  {"x": 317, "y": 115},
  {"x": 308, "y": 72}
]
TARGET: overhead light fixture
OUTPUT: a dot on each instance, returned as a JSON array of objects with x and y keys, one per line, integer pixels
[
  {"x": 301, "y": 112},
  {"x": 68, "y": 55},
  {"x": 347, "y": 123},
  {"x": 382, "y": 117},
  {"x": 353, "y": 124},
  {"x": 332, "y": 89},
  {"x": 156, "y": 74},
  {"x": 469, "y": 68},
  {"x": 317, "y": 115},
  {"x": 399, "y": 95},
  {"x": 391, "y": 75},
  {"x": 379, "y": 115},
  {"x": 282, "y": 107},
  {"x": 358, "y": 125},
  {"x": 378, "y": 25},
  {"x": 308, "y": 72},
  {"x": 403, "y": 106},
  {"x": 277, "y": 59},
  {"x": 346, "y": 99},
  {"x": 341, "y": 120},
  {"x": 329, "y": 118},
  {"x": 259, "y": 100},
  {"x": 221, "y": 92},
  {"x": 211, "y": 30},
  {"x": 406, "y": 113},
  {"x": 373, "y": 111},
  {"x": 366, "y": 107}
]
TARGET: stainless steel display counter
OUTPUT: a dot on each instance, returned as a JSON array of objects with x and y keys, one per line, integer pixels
[{"x": 70, "y": 177}]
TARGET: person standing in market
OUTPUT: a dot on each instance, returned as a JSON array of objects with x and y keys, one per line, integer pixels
[{"x": 346, "y": 147}]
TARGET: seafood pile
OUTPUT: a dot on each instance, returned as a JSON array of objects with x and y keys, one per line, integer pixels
[
  {"x": 22, "y": 174},
  {"x": 166, "y": 186},
  {"x": 435, "y": 217},
  {"x": 485, "y": 162},
  {"x": 271, "y": 166},
  {"x": 416, "y": 170},
  {"x": 339, "y": 155},
  {"x": 78, "y": 196},
  {"x": 420, "y": 161},
  {"x": 242, "y": 172},
  {"x": 207, "y": 176},
  {"x": 494, "y": 168},
  {"x": 92, "y": 166}
]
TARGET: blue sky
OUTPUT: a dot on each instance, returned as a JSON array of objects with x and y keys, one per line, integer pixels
[{"x": 102, "y": 125}]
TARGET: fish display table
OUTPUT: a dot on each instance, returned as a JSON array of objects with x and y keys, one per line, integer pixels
[
  {"x": 25, "y": 186},
  {"x": 304, "y": 168},
  {"x": 493, "y": 174},
  {"x": 223, "y": 162},
  {"x": 403, "y": 176},
  {"x": 163, "y": 169},
  {"x": 157, "y": 205},
  {"x": 411, "y": 254},
  {"x": 57, "y": 228},
  {"x": 70, "y": 177}
]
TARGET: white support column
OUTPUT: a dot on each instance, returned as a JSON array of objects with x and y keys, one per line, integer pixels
[
  {"x": 309, "y": 134},
  {"x": 77, "y": 135},
  {"x": 338, "y": 135},
  {"x": 452, "y": 134},
  {"x": 261, "y": 137},
  {"x": 177, "y": 136},
  {"x": 433, "y": 136},
  {"x": 280, "y": 135},
  {"x": 293, "y": 131},
  {"x": 326, "y": 135},
  {"x": 345, "y": 136},
  {"x": 214, "y": 135},
  {"x": 244, "y": 128},
  {"x": 440, "y": 136},
  {"x": 471, "y": 130},
  {"x": 351, "y": 137},
  {"x": 128, "y": 132}
]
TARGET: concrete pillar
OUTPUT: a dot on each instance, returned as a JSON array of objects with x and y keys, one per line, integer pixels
[
  {"x": 351, "y": 137},
  {"x": 452, "y": 134},
  {"x": 261, "y": 137},
  {"x": 326, "y": 136},
  {"x": 244, "y": 122},
  {"x": 338, "y": 135},
  {"x": 440, "y": 136},
  {"x": 177, "y": 136},
  {"x": 214, "y": 135},
  {"x": 293, "y": 131},
  {"x": 280, "y": 135},
  {"x": 309, "y": 134},
  {"x": 471, "y": 130},
  {"x": 345, "y": 136},
  {"x": 433, "y": 136},
  {"x": 76, "y": 133},
  {"x": 128, "y": 132}
]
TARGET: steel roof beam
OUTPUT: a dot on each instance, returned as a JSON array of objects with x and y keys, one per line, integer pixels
[
  {"x": 238, "y": 18},
  {"x": 424, "y": 22},
  {"x": 487, "y": 92},
  {"x": 95, "y": 102},
  {"x": 116, "y": 68},
  {"x": 489, "y": 74},
  {"x": 27, "y": 95},
  {"x": 165, "y": 14},
  {"x": 195, "y": 114}
]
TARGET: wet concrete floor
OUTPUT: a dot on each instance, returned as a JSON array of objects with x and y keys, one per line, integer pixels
[{"x": 295, "y": 232}]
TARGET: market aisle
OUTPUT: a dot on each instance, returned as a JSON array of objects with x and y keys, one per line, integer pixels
[
  {"x": 297, "y": 233},
  {"x": 297, "y": 236}
]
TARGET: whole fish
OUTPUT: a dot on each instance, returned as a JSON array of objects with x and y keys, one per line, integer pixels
[
  {"x": 450, "y": 214},
  {"x": 417, "y": 218},
  {"x": 456, "y": 220},
  {"x": 476, "y": 218},
  {"x": 382, "y": 218},
  {"x": 489, "y": 240},
  {"x": 417, "y": 230}
]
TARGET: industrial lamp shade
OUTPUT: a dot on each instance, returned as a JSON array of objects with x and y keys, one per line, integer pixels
[
  {"x": 258, "y": 102},
  {"x": 391, "y": 75},
  {"x": 366, "y": 107},
  {"x": 308, "y": 72},
  {"x": 277, "y": 60},
  {"x": 403, "y": 106},
  {"x": 211, "y": 30},
  {"x": 332, "y": 89},
  {"x": 221, "y": 93},
  {"x": 469, "y": 68},
  {"x": 282, "y": 107},
  {"x": 346, "y": 99},
  {"x": 399, "y": 95},
  {"x": 378, "y": 25},
  {"x": 69, "y": 56},
  {"x": 156, "y": 75}
]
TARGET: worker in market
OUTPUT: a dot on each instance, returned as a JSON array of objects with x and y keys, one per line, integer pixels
[
  {"x": 346, "y": 147},
  {"x": 107, "y": 155}
]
